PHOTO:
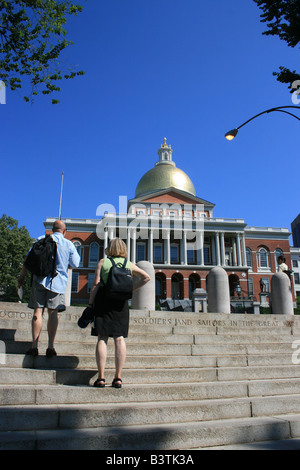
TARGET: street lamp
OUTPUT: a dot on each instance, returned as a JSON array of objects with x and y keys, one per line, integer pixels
[{"x": 232, "y": 134}]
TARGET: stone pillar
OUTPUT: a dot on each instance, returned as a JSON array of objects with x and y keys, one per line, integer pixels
[
  {"x": 199, "y": 301},
  {"x": 68, "y": 291},
  {"x": 218, "y": 291},
  {"x": 144, "y": 298},
  {"x": 281, "y": 295}
]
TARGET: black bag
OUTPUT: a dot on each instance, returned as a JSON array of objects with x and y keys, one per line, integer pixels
[
  {"x": 41, "y": 259},
  {"x": 119, "y": 283}
]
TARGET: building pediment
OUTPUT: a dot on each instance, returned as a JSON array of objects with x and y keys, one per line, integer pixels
[{"x": 170, "y": 196}]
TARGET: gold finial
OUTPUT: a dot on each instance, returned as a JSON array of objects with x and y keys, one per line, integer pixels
[{"x": 165, "y": 145}]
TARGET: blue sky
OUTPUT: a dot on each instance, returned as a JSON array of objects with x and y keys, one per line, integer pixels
[{"x": 188, "y": 70}]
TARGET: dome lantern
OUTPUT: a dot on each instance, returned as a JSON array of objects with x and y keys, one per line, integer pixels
[
  {"x": 165, "y": 154},
  {"x": 164, "y": 175}
]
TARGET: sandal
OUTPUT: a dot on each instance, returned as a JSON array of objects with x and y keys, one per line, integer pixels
[
  {"x": 50, "y": 353},
  {"x": 99, "y": 383},
  {"x": 115, "y": 384},
  {"x": 32, "y": 352}
]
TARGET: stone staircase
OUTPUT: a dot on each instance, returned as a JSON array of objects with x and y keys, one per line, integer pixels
[{"x": 191, "y": 381}]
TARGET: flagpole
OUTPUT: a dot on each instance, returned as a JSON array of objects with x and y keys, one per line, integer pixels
[{"x": 61, "y": 190}]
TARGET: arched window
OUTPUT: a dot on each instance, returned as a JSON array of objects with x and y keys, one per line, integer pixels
[
  {"x": 80, "y": 250},
  {"x": 263, "y": 259},
  {"x": 278, "y": 252},
  {"x": 94, "y": 254},
  {"x": 160, "y": 287},
  {"x": 194, "y": 283},
  {"x": 177, "y": 286}
]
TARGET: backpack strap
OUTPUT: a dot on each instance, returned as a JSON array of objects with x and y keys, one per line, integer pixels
[{"x": 54, "y": 272}]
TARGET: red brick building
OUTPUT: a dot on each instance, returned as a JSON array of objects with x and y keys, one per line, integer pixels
[{"x": 168, "y": 225}]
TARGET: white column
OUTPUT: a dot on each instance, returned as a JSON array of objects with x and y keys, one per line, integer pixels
[
  {"x": 150, "y": 246},
  {"x": 244, "y": 250},
  {"x": 167, "y": 247},
  {"x": 111, "y": 233},
  {"x": 184, "y": 248},
  {"x": 234, "y": 260},
  {"x": 133, "y": 255},
  {"x": 238, "y": 249},
  {"x": 105, "y": 242},
  {"x": 222, "y": 249},
  {"x": 217, "y": 243},
  {"x": 200, "y": 249},
  {"x": 128, "y": 244}
]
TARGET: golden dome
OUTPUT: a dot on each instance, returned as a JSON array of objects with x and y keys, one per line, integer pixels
[{"x": 164, "y": 175}]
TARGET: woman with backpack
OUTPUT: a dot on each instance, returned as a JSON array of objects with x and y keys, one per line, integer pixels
[{"x": 111, "y": 289}]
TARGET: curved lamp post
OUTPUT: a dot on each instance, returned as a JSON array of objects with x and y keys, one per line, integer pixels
[{"x": 231, "y": 134}]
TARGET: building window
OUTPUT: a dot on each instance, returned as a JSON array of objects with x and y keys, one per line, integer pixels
[
  {"x": 296, "y": 278},
  {"x": 263, "y": 259},
  {"x": 157, "y": 253},
  {"x": 141, "y": 252},
  {"x": 140, "y": 212},
  {"x": 75, "y": 282},
  {"x": 295, "y": 263},
  {"x": 207, "y": 257},
  {"x": 94, "y": 254},
  {"x": 249, "y": 257},
  {"x": 190, "y": 256},
  {"x": 278, "y": 252},
  {"x": 194, "y": 283},
  {"x": 80, "y": 250},
  {"x": 174, "y": 254},
  {"x": 156, "y": 212},
  {"x": 250, "y": 286}
]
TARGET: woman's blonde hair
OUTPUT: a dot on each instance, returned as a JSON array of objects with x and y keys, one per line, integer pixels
[{"x": 116, "y": 248}]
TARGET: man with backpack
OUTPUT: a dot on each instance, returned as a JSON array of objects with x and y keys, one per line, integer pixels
[{"x": 48, "y": 261}]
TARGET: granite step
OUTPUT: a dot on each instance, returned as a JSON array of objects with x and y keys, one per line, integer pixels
[
  {"x": 74, "y": 416},
  {"x": 190, "y": 381},
  {"x": 86, "y": 377},
  {"x": 161, "y": 349},
  {"x": 147, "y": 362},
  {"x": 167, "y": 437},
  {"x": 48, "y": 394}
]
